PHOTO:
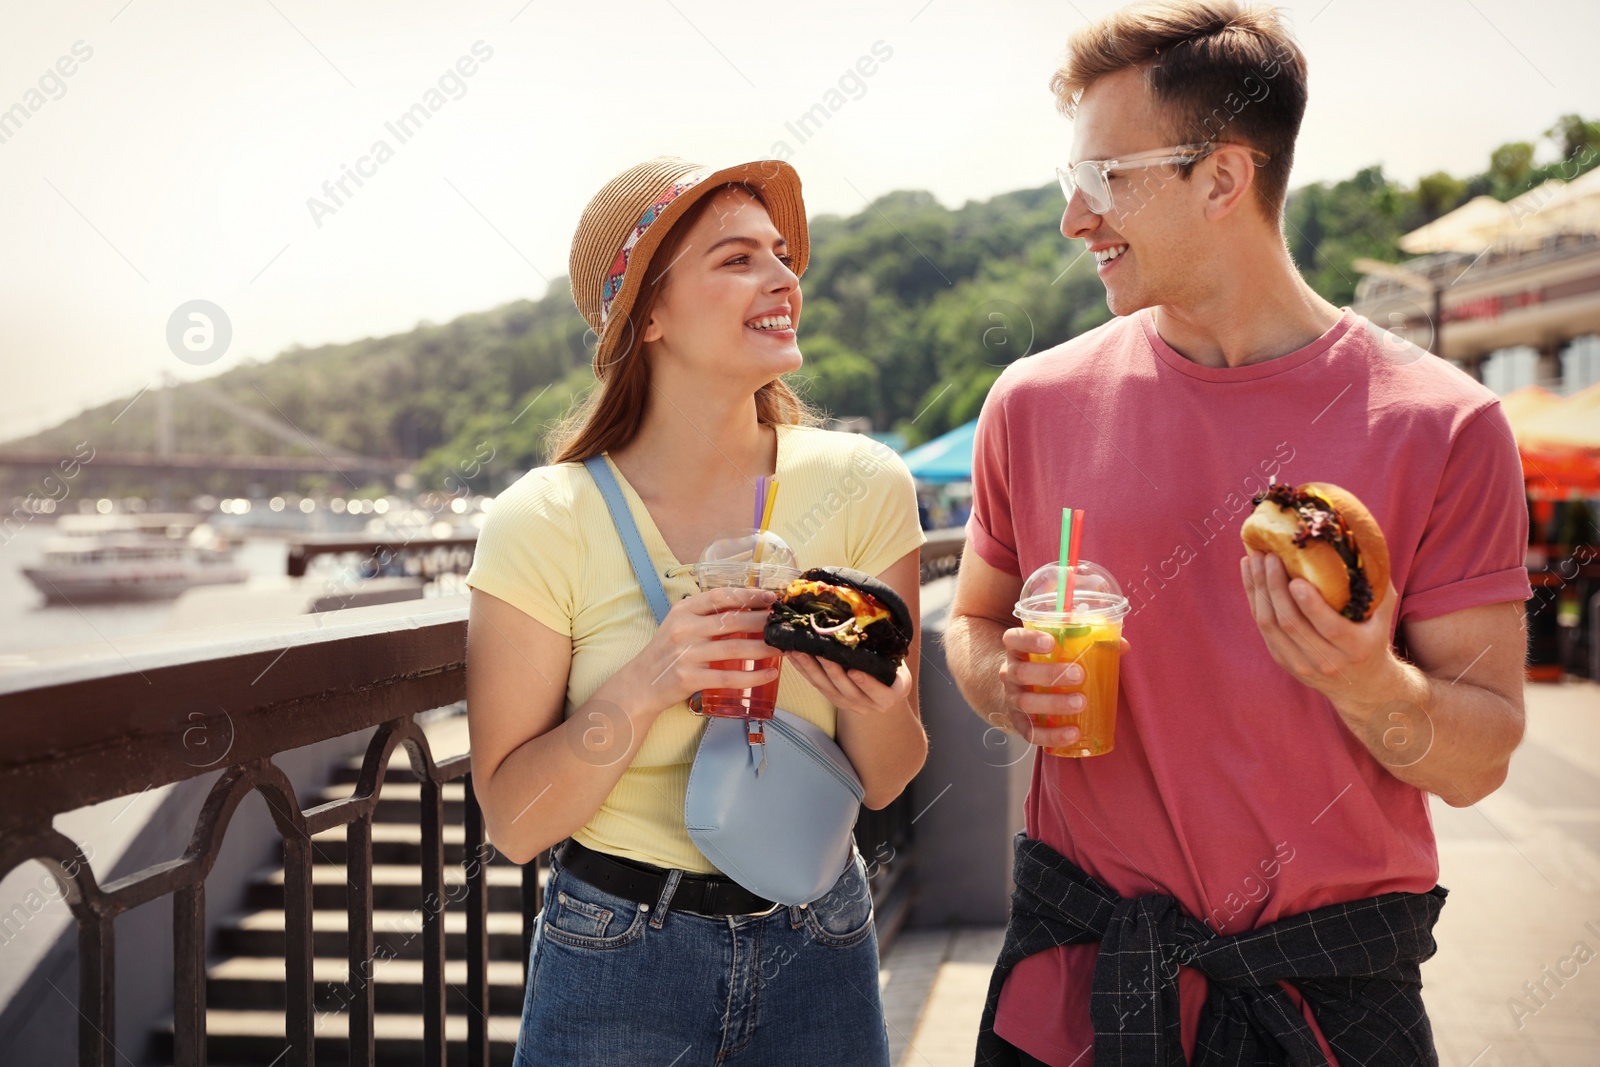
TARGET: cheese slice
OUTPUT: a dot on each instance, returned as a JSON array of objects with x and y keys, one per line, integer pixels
[{"x": 866, "y": 610}]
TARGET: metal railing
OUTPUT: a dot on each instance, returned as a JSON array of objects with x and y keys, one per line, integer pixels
[
  {"x": 85, "y": 728},
  {"x": 88, "y": 729}
]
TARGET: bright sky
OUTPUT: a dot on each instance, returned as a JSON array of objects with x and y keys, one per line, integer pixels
[{"x": 176, "y": 161}]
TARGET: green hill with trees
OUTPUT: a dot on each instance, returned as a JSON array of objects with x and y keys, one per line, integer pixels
[{"x": 912, "y": 311}]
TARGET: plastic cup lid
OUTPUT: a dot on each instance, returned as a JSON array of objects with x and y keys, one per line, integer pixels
[
  {"x": 1096, "y": 597},
  {"x": 739, "y": 546}
]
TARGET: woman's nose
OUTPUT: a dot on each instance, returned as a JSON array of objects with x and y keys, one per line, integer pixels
[{"x": 784, "y": 277}]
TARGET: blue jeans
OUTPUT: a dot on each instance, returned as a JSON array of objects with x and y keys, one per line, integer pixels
[{"x": 611, "y": 981}]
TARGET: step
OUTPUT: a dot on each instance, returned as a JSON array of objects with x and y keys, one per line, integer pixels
[
  {"x": 396, "y": 842},
  {"x": 256, "y": 983},
  {"x": 260, "y": 933},
  {"x": 399, "y": 773},
  {"x": 445, "y": 738},
  {"x": 401, "y": 801},
  {"x": 256, "y": 1037},
  {"x": 395, "y": 886}
]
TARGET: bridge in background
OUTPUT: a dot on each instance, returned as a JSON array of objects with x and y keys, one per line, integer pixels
[{"x": 167, "y": 462}]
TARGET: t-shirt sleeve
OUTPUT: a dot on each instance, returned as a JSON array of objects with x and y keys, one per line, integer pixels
[
  {"x": 527, "y": 553},
  {"x": 990, "y": 532},
  {"x": 1474, "y": 548},
  {"x": 883, "y": 524}
]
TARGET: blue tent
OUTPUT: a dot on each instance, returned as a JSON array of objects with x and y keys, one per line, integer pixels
[{"x": 944, "y": 459}]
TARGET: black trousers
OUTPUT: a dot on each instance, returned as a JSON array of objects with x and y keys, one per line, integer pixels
[{"x": 1026, "y": 1060}]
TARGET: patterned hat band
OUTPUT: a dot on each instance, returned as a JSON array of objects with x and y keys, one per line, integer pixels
[{"x": 619, "y": 266}]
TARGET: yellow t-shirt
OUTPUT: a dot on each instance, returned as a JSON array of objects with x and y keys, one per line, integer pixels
[{"x": 549, "y": 548}]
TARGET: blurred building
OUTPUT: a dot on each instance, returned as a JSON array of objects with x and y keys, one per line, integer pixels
[{"x": 1509, "y": 290}]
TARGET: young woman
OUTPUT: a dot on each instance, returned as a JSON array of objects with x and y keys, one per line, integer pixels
[{"x": 581, "y": 734}]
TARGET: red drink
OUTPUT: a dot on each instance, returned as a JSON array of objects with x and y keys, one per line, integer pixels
[{"x": 756, "y": 702}]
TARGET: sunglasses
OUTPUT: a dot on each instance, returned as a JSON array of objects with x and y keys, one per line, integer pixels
[{"x": 1092, "y": 177}]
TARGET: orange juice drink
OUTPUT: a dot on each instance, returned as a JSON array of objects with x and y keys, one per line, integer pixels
[
  {"x": 1096, "y": 647},
  {"x": 1082, "y": 611}
]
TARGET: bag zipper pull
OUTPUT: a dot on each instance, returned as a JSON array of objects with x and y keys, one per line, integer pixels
[{"x": 755, "y": 734}]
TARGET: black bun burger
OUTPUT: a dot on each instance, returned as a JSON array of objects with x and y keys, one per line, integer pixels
[{"x": 843, "y": 615}]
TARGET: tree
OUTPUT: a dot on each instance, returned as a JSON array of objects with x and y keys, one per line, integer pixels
[
  {"x": 1509, "y": 166},
  {"x": 1439, "y": 193},
  {"x": 1576, "y": 138}
]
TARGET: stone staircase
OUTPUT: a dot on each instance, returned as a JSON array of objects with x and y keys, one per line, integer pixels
[
  {"x": 246, "y": 993},
  {"x": 245, "y": 988}
]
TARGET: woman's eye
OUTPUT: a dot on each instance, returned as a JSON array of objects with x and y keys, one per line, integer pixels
[
  {"x": 737, "y": 261},
  {"x": 787, "y": 261}
]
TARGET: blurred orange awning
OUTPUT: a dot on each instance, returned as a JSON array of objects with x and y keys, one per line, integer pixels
[{"x": 1559, "y": 438}]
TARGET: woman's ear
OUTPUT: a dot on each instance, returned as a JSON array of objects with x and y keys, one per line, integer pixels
[{"x": 652, "y": 329}]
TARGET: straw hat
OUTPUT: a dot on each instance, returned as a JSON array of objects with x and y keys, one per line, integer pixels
[{"x": 628, "y": 219}]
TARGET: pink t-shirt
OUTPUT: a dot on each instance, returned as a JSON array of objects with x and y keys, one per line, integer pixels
[{"x": 1232, "y": 787}]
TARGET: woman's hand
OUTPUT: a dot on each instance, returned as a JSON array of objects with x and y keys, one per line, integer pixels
[
  {"x": 676, "y": 662},
  {"x": 854, "y": 691}
]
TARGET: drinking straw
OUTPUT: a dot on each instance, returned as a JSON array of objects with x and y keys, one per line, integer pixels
[
  {"x": 1072, "y": 550},
  {"x": 761, "y": 500},
  {"x": 1064, "y": 580},
  {"x": 771, "y": 487},
  {"x": 766, "y": 512}
]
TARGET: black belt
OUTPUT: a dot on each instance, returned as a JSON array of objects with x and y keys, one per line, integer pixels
[{"x": 642, "y": 883}]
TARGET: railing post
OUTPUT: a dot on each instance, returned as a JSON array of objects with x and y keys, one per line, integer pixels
[
  {"x": 298, "y": 952},
  {"x": 474, "y": 862},
  {"x": 97, "y": 991},
  {"x": 362, "y": 1004},
  {"x": 433, "y": 1022},
  {"x": 189, "y": 975}
]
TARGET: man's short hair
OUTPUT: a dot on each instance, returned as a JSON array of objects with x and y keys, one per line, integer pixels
[{"x": 1219, "y": 70}]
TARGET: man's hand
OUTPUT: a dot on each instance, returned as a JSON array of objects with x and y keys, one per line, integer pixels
[
  {"x": 1025, "y": 709},
  {"x": 1446, "y": 722},
  {"x": 1351, "y": 663}
]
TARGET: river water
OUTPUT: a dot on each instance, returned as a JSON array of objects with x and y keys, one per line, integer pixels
[{"x": 27, "y": 623}]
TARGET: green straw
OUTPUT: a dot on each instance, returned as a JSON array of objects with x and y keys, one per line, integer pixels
[{"x": 1066, "y": 546}]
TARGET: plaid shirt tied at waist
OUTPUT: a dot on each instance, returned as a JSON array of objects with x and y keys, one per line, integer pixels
[{"x": 1357, "y": 964}]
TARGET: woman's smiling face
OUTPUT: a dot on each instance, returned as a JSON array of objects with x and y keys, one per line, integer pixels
[{"x": 729, "y": 303}]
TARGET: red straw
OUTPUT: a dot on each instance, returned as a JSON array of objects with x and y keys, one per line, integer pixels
[{"x": 1072, "y": 552}]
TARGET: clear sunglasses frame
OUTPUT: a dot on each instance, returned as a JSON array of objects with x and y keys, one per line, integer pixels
[{"x": 1092, "y": 177}]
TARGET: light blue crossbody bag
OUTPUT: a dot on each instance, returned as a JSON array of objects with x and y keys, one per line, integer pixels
[{"x": 772, "y": 804}]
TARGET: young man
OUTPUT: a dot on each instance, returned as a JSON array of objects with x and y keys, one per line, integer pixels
[{"x": 1251, "y": 872}]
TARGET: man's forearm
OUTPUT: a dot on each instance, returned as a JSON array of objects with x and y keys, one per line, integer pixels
[
  {"x": 975, "y": 651},
  {"x": 1450, "y": 738}
]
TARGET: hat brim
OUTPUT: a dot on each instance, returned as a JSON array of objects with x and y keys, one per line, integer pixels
[{"x": 778, "y": 185}]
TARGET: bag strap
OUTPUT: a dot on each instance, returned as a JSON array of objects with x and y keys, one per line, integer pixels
[
  {"x": 617, "y": 504},
  {"x": 644, "y": 570}
]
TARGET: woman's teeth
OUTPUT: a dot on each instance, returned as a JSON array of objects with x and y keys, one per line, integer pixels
[
  {"x": 771, "y": 322},
  {"x": 1106, "y": 255}
]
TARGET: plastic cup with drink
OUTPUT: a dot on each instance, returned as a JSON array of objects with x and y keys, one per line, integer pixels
[
  {"x": 751, "y": 559},
  {"x": 1081, "y": 607}
]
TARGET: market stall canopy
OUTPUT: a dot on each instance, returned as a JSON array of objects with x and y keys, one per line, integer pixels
[
  {"x": 1523, "y": 407},
  {"x": 1559, "y": 439},
  {"x": 1469, "y": 228},
  {"x": 1552, "y": 207},
  {"x": 1574, "y": 423},
  {"x": 944, "y": 459}
]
